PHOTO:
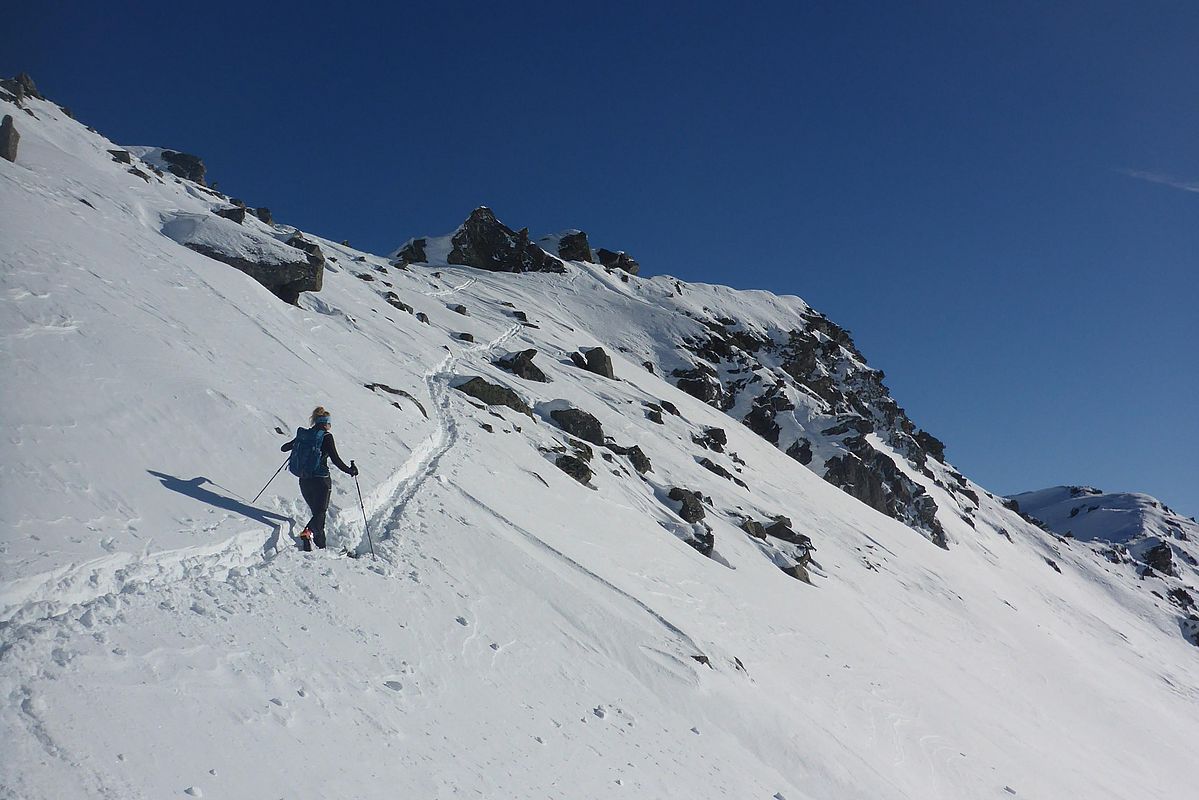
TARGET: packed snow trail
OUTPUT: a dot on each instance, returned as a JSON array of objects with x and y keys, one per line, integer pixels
[{"x": 387, "y": 515}]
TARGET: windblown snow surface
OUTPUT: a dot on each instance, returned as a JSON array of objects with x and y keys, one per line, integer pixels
[{"x": 520, "y": 635}]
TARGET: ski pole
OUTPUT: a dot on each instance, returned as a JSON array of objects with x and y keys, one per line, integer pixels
[
  {"x": 365, "y": 525},
  {"x": 268, "y": 483}
]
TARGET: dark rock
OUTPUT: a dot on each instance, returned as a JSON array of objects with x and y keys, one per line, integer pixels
[
  {"x": 9, "y": 139},
  {"x": 781, "y": 529},
  {"x": 264, "y": 214},
  {"x": 670, "y": 408},
  {"x": 754, "y": 529},
  {"x": 137, "y": 172},
  {"x": 712, "y": 439},
  {"x": 636, "y": 456},
  {"x": 494, "y": 395},
  {"x": 520, "y": 316},
  {"x": 704, "y": 543},
  {"x": 286, "y": 281},
  {"x": 239, "y": 203},
  {"x": 580, "y": 424},
  {"x": 801, "y": 451},
  {"x": 185, "y": 165},
  {"x": 799, "y": 572},
  {"x": 930, "y": 444},
  {"x": 1054, "y": 565},
  {"x": 654, "y": 415},
  {"x": 459, "y": 309},
  {"x": 874, "y": 478},
  {"x": 20, "y": 88},
  {"x": 599, "y": 362},
  {"x": 121, "y": 156},
  {"x": 422, "y": 317},
  {"x": 464, "y": 337},
  {"x": 574, "y": 246},
  {"x": 236, "y": 214},
  {"x": 394, "y": 300},
  {"x": 413, "y": 253},
  {"x": 618, "y": 260},
  {"x": 859, "y": 425},
  {"x": 649, "y": 367},
  {"x": 575, "y": 468},
  {"x": 521, "y": 364},
  {"x": 693, "y": 508},
  {"x": 1181, "y": 598},
  {"x": 1160, "y": 557},
  {"x": 486, "y": 243},
  {"x": 701, "y": 383}
]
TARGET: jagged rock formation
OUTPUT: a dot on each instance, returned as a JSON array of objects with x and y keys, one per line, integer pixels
[
  {"x": 185, "y": 165},
  {"x": 573, "y": 246},
  {"x": 486, "y": 243},
  {"x": 618, "y": 260},
  {"x": 494, "y": 395}
]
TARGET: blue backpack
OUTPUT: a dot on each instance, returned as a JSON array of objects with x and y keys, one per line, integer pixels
[{"x": 305, "y": 459}]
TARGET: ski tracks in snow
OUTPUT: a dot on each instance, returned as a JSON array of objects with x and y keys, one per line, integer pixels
[{"x": 387, "y": 515}]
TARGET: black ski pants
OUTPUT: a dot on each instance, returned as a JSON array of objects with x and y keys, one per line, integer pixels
[{"x": 316, "y": 493}]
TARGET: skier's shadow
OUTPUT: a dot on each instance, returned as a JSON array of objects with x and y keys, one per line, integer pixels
[{"x": 194, "y": 489}]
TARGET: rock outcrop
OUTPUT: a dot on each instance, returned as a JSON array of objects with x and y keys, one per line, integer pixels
[
  {"x": 494, "y": 395},
  {"x": 580, "y": 424},
  {"x": 618, "y": 260},
  {"x": 573, "y": 246},
  {"x": 9, "y": 139},
  {"x": 185, "y": 165},
  {"x": 486, "y": 243},
  {"x": 521, "y": 364}
]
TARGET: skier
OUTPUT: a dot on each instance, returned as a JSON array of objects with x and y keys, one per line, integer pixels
[{"x": 310, "y": 453}]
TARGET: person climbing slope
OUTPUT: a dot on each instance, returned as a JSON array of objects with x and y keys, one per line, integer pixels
[{"x": 311, "y": 452}]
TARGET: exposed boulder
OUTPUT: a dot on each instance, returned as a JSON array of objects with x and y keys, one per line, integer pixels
[
  {"x": 596, "y": 360},
  {"x": 278, "y": 267},
  {"x": 494, "y": 395},
  {"x": 692, "y": 508},
  {"x": 618, "y": 260},
  {"x": 237, "y": 213},
  {"x": 712, "y": 438},
  {"x": 1161, "y": 558},
  {"x": 394, "y": 300},
  {"x": 185, "y": 165},
  {"x": 264, "y": 214},
  {"x": 486, "y": 243},
  {"x": 9, "y": 139},
  {"x": 754, "y": 528},
  {"x": 573, "y": 246},
  {"x": 521, "y": 364},
  {"x": 464, "y": 337},
  {"x": 799, "y": 572},
  {"x": 413, "y": 253},
  {"x": 575, "y": 468},
  {"x": 636, "y": 456},
  {"x": 121, "y": 156},
  {"x": 460, "y": 309},
  {"x": 580, "y": 424}
]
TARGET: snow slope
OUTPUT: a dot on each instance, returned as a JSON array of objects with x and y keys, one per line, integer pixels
[{"x": 520, "y": 634}]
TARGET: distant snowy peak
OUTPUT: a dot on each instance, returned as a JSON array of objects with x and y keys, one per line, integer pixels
[{"x": 1086, "y": 513}]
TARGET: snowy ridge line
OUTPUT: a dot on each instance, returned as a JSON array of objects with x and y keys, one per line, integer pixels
[
  {"x": 75, "y": 586},
  {"x": 386, "y": 514},
  {"x": 544, "y": 546}
]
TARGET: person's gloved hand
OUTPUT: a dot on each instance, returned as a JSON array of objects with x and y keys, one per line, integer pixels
[{"x": 354, "y": 470}]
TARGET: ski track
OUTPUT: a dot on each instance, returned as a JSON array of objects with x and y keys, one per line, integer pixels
[
  {"x": 451, "y": 290},
  {"x": 422, "y": 464}
]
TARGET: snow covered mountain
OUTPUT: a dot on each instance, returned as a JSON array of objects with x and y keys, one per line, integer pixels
[{"x": 634, "y": 535}]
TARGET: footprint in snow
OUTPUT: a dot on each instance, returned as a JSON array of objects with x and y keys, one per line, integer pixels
[
  {"x": 193, "y": 791},
  {"x": 462, "y": 621},
  {"x": 395, "y": 686}
]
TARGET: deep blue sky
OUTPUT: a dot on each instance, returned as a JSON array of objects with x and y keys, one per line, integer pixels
[{"x": 955, "y": 185}]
